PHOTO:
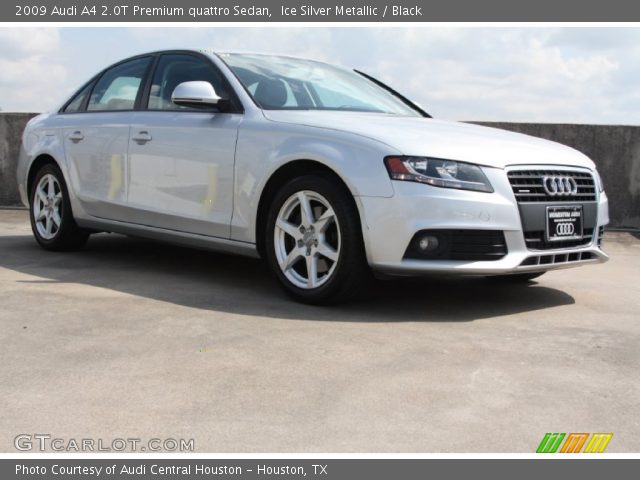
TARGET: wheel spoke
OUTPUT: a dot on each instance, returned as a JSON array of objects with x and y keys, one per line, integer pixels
[
  {"x": 291, "y": 260},
  {"x": 288, "y": 228},
  {"x": 42, "y": 196},
  {"x": 325, "y": 219},
  {"x": 48, "y": 225},
  {"x": 327, "y": 251},
  {"x": 40, "y": 213},
  {"x": 57, "y": 199},
  {"x": 51, "y": 191},
  {"x": 312, "y": 270},
  {"x": 56, "y": 218},
  {"x": 305, "y": 209}
]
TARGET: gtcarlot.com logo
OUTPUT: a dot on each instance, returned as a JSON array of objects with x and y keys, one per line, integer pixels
[
  {"x": 43, "y": 442},
  {"x": 573, "y": 442}
]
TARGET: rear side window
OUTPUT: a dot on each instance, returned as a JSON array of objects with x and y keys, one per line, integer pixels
[
  {"x": 75, "y": 105},
  {"x": 174, "y": 69},
  {"x": 118, "y": 87}
]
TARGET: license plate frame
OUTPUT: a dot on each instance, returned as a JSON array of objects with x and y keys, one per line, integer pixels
[{"x": 564, "y": 222}]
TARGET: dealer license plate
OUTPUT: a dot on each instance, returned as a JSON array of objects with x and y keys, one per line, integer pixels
[{"x": 564, "y": 223}]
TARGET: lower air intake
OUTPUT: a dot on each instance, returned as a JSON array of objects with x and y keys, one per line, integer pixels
[{"x": 469, "y": 245}]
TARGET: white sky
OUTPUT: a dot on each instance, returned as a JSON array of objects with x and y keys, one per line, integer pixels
[{"x": 576, "y": 74}]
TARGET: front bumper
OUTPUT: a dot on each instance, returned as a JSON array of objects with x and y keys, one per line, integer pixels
[{"x": 389, "y": 224}]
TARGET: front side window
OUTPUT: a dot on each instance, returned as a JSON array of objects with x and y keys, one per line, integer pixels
[
  {"x": 283, "y": 83},
  {"x": 174, "y": 69},
  {"x": 118, "y": 87},
  {"x": 76, "y": 102}
]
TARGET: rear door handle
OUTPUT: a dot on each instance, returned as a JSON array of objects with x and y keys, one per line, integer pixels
[
  {"x": 76, "y": 136},
  {"x": 141, "y": 137}
]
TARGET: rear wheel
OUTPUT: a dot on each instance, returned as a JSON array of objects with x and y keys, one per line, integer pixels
[
  {"x": 51, "y": 218},
  {"x": 314, "y": 243}
]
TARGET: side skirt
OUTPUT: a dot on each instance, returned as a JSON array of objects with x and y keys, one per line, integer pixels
[{"x": 204, "y": 242}]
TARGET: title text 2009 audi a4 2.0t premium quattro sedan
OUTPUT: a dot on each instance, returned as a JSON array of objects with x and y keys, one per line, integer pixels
[{"x": 326, "y": 173}]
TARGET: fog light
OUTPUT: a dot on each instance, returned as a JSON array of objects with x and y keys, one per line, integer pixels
[{"x": 428, "y": 243}]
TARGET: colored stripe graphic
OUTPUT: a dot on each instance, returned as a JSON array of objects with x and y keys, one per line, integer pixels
[
  {"x": 598, "y": 442},
  {"x": 550, "y": 443},
  {"x": 574, "y": 442}
]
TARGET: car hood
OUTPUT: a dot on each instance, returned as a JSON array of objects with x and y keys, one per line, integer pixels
[{"x": 441, "y": 139}]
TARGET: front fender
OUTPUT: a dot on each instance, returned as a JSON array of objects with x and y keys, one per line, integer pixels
[{"x": 264, "y": 147}]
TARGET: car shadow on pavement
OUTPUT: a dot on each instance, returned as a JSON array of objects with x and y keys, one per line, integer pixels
[{"x": 234, "y": 284}]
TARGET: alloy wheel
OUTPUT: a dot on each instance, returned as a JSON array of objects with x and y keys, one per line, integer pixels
[
  {"x": 47, "y": 207},
  {"x": 307, "y": 239}
]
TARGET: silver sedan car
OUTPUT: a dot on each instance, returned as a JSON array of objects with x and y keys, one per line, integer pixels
[{"x": 326, "y": 173}]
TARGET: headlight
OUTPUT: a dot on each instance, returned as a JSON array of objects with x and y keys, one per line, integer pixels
[
  {"x": 438, "y": 172},
  {"x": 599, "y": 183}
]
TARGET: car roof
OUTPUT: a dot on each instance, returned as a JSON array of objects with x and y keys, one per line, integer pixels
[{"x": 218, "y": 53}]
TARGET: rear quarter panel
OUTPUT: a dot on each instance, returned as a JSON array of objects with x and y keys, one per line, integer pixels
[{"x": 40, "y": 137}]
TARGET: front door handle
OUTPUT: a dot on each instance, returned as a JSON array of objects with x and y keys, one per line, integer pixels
[
  {"x": 76, "y": 136},
  {"x": 141, "y": 137}
]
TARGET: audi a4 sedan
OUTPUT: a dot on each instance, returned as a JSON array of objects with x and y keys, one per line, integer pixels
[{"x": 328, "y": 174}]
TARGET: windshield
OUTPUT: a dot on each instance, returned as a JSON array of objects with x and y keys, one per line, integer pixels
[{"x": 283, "y": 83}]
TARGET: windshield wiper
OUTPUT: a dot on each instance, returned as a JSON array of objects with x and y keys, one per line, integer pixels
[
  {"x": 404, "y": 99},
  {"x": 356, "y": 108}
]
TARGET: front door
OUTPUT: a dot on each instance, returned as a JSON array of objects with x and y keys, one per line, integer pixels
[{"x": 180, "y": 172}]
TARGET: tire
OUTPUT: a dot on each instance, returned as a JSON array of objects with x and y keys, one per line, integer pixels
[
  {"x": 316, "y": 254},
  {"x": 519, "y": 277},
  {"x": 52, "y": 222}
]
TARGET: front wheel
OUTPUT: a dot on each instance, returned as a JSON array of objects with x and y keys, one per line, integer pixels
[
  {"x": 314, "y": 242},
  {"x": 50, "y": 212}
]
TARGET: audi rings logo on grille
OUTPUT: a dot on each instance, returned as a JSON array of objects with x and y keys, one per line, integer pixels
[
  {"x": 559, "y": 186},
  {"x": 565, "y": 229}
]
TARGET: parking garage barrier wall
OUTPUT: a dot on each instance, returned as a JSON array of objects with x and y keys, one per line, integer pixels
[{"x": 614, "y": 148}]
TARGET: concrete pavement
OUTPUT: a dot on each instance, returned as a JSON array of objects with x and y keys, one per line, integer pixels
[{"x": 129, "y": 338}]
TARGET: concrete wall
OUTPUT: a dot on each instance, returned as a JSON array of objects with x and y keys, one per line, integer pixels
[
  {"x": 11, "y": 127},
  {"x": 615, "y": 149}
]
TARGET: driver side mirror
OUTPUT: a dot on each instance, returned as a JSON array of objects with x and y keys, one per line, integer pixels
[{"x": 196, "y": 94}]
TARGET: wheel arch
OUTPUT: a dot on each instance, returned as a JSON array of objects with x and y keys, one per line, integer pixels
[
  {"x": 37, "y": 163},
  {"x": 282, "y": 175}
]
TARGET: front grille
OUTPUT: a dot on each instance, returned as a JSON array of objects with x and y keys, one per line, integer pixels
[
  {"x": 527, "y": 186},
  {"x": 468, "y": 245},
  {"x": 536, "y": 241}
]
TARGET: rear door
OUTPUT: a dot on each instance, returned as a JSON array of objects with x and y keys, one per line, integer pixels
[
  {"x": 181, "y": 159},
  {"x": 96, "y": 138}
]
